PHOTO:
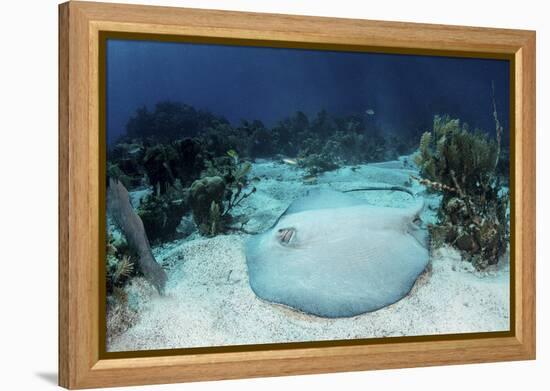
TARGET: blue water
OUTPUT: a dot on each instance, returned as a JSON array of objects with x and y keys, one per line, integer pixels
[{"x": 268, "y": 84}]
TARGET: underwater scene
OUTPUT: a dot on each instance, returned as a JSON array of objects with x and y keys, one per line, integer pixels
[{"x": 262, "y": 195}]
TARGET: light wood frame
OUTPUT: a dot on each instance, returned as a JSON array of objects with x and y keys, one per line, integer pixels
[{"x": 80, "y": 151}]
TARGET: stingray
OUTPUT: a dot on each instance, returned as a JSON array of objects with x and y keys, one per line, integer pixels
[{"x": 333, "y": 255}]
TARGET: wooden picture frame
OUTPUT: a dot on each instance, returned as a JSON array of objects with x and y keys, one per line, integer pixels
[{"x": 81, "y": 362}]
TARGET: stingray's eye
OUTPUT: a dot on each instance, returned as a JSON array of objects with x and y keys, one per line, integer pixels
[
  {"x": 285, "y": 235},
  {"x": 417, "y": 221}
]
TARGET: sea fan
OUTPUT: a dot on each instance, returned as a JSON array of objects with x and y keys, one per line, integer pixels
[
  {"x": 120, "y": 209},
  {"x": 461, "y": 165}
]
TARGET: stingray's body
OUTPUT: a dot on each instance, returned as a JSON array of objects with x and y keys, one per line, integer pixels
[{"x": 333, "y": 255}]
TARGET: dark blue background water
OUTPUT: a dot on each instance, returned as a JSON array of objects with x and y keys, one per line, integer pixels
[{"x": 269, "y": 84}]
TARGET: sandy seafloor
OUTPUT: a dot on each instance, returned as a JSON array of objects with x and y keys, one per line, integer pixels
[{"x": 209, "y": 302}]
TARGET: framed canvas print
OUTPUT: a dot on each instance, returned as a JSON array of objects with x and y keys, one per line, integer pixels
[{"x": 249, "y": 195}]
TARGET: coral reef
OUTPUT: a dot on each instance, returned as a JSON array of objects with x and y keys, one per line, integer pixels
[
  {"x": 191, "y": 160},
  {"x": 213, "y": 197},
  {"x": 261, "y": 142},
  {"x": 162, "y": 213},
  {"x": 171, "y": 150},
  {"x": 177, "y": 142},
  {"x": 206, "y": 200},
  {"x": 289, "y": 133},
  {"x": 317, "y": 163},
  {"x": 124, "y": 163},
  {"x": 336, "y": 140},
  {"x": 473, "y": 212},
  {"x": 158, "y": 163},
  {"x": 119, "y": 263},
  {"x": 342, "y": 148},
  {"x": 181, "y": 160},
  {"x": 170, "y": 121}
]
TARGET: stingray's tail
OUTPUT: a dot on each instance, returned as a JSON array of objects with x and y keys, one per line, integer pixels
[
  {"x": 419, "y": 207},
  {"x": 383, "y": 188},
  {"x": 416, "y": 209}
]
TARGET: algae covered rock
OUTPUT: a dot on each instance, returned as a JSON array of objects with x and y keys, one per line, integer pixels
[
  {"x": 161, "y": 215},
  {"x": 125, "y": 163},
  {"x": 190, "y": 161},
  {"x": 317, "y": 163},
  {"x": 159, "y": 164},
  {"x": 206, "y": 201}
]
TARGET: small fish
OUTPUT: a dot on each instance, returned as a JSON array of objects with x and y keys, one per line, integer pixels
[
  {"x": 290, "y": 161},
  {"x": 369, "y": 112}
]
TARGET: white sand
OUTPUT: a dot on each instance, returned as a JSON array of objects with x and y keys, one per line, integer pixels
[{"x": 209, "y": 301}]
